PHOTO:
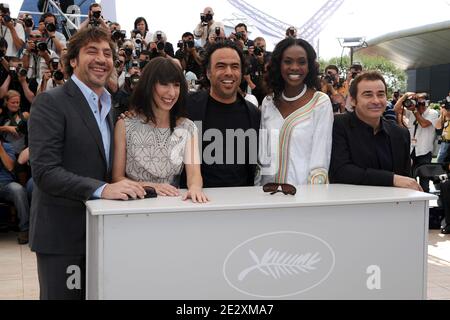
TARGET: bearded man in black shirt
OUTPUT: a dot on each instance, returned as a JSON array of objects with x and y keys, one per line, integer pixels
[{"x": 228, "y": 124}]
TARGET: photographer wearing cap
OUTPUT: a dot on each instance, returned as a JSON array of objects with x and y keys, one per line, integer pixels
[
  {"x": 189, "y": 55},
  {"x": 48, "y": 27},
  {"x": 207, "y": 23},
  {"x": 37, "y": 55},
  {"x": 95, "y": 18},
  {"x": 12, "y": 32},
  {"x": 159, "y": 47},
  {"x": 413, "y": 113},
  {"x": 443, "y": 124}
]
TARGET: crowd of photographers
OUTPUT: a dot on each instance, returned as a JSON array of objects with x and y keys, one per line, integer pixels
[{"x": 31, "y": 62}]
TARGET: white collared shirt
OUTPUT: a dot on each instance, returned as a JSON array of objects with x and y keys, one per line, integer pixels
[{"x": 424, "y": 136}]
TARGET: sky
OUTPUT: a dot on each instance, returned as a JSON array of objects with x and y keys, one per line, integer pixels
[{"x": 355, "y": 18}]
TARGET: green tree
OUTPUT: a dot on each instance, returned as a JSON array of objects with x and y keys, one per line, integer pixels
[{"x": 395, "y": 77}]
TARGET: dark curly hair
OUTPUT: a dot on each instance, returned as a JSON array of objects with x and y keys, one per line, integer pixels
[
  {"x": 159, "y": 70},
  {"x": 273, "y": 79},
  {"x": 210, "y": 49}
]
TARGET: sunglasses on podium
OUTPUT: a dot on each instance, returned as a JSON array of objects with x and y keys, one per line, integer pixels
[{"x": 280, "y": 187}]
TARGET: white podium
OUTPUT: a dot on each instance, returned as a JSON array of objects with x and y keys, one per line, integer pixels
[{"x": 326, "y": 242}]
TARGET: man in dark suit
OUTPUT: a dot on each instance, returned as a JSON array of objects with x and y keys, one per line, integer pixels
[
  {"x": 222, "y": 111},
  {"x": 70, "y": 139},
  {"x": 367, "y": 149}
]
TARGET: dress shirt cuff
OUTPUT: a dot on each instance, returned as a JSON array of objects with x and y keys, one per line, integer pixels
[{"x": 98, "y": 193}]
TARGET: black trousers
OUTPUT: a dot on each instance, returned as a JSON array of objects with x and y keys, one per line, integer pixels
[
  {"x": 445, "y": 195},
  {"x": 417, "y": 161},
  {"x": 61, "y": 277}
]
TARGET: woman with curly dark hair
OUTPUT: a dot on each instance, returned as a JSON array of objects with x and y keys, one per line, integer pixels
[
  {"x": 156, "y": 141},
  {"x": 297, "y": 119}
]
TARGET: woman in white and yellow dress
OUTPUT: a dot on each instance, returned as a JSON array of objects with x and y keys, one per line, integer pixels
[{"x": 296, "y": 120}]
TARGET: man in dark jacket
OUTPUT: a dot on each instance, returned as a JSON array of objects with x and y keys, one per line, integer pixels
[
  {"x": 227, "y": 123},
  {"x": 367, "y": 149}
]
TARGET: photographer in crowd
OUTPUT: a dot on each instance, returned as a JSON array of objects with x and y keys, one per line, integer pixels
[
  {"x": 207, "y": 23},
  {"x": 95, "y": 18},
  {"x": 160, "y": 47},
  {"x": 443, "y": 124},
  {"x": 17, "y": 80},
  {"x": 36, "y": 56},
  {"x": 48, "y": 27},
  {"x": 11, "y": 31},
  {"x": 291, "y": 32},
  {"x": 189, "y": 55},
  {"x": 241, "y": 34},
  {"x": 413, "y": 113},
  {"x": 257, "y": 69},
  {"x": 141, "y": 28},
  {"x": 52, "y": 78}
]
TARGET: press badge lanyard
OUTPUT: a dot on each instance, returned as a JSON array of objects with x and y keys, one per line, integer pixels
[{"x": 414, "y": 140}]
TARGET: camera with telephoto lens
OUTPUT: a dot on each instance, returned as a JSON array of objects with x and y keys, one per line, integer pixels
[
  {"x": 190, "y": 44},
  {"x": 28, "y": 21},
  {"x": 58, "y": 75},
  {"x": 409, "y": 103},
  {"x": 128, "y": 51},
  {"x": 22, "y": 127},
  {"x": 50, "y": 27},
  {"x": 22, "y": 72},
  {"x": 96, "y": 14},
  {"x": 42, "y": 46},
  {"x": 239, "y": 36},
  {"x": 180, "y": 44},
  {"x": 329, "y": 79},
  {"x": 135, "y": 64},
  {"x": 117, "y": 35},
  {"x": 258, "y": 51},
  {"x": 7, "y": 18},
  {"x": 291, "y": 31},
  {"x": 205, "y": 18},
  {"x": 160, "y": 46},
  {"x": 134, "y": 79},
  {"x": 138, "y": 39}
]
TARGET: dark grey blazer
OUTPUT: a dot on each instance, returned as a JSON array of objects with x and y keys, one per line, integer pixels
[{"x": 68, "y": 164}]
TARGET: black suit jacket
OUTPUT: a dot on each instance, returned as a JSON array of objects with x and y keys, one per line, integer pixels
[
  {"x": 68, "y": 164},
  {"x": 197, "y": 104},
  {"x": 350, "y": 160}
]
